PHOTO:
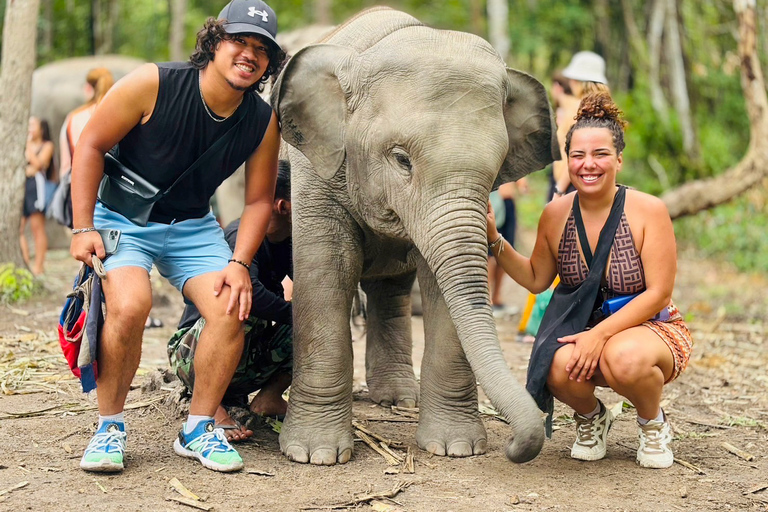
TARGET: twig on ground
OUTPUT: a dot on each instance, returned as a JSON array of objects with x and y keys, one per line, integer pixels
[
  {"x": 15, "y": 487},
  {"x": 394, "y": 420},
  {"x": 756, "y": 488},
  {"x": 174, "y": 482},
  {"x": 365, "y": 499},
  {"x": 408, "y": 465},
  {"x": 690, "y": 466},
  {"x": 374, "y": 435},
  {"x": 388, "y": 455},
  {"x": 738, "y": 452}
]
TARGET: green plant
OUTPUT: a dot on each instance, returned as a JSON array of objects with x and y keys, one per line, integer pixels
[{"x": 16, "y": 284}]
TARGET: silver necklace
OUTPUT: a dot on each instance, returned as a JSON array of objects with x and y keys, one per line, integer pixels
[{"x": 205, "y": 106}]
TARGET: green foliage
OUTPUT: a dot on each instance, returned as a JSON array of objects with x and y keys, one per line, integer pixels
[
  {"x": 733, "y": 232},
  {"x": 16, "y": 284}
]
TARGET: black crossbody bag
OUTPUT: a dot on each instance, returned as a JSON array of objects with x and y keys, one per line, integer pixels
[{"x": 132, "y": 196}]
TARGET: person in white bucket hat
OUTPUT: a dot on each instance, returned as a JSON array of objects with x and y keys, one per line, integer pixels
[
  {"x": 585, "y": 74},
  {"x": 586, "y": 67}
]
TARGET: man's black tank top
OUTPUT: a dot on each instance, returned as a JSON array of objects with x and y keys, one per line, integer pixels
[{"x": 178, "y": 132}]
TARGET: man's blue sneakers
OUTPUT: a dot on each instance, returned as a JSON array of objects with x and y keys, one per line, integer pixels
[
  {"x": 105, "y": 451},
  {"x": 210, "y": 446}
]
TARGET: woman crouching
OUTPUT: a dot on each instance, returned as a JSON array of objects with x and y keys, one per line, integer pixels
[{"x": 639, "y": 347}]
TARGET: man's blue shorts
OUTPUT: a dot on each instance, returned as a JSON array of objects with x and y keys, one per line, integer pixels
[{"x": 179, "y": 250}]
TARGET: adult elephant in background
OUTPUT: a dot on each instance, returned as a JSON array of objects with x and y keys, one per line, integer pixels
[
  {"x": 398, "y": 132},
  {"x": 57, "y": 87}
]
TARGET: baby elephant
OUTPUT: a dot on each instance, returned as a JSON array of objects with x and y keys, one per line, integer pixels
[{"x": 398, "y": 133}]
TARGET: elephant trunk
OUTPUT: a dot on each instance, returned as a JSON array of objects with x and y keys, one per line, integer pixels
[{"x": 462, "y": 276}]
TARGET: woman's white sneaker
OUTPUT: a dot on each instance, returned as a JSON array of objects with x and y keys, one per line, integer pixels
[
  {"x": 654, "y": 451},
  {"x": 591, "y": 434}
]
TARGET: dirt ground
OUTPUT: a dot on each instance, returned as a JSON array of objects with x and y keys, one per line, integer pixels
[{"x": 721, "y": 400}]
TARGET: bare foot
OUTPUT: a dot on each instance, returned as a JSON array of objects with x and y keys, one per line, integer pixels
[
  {"x": 269, "y": 400},
  {"x": 232, "y": 429}
]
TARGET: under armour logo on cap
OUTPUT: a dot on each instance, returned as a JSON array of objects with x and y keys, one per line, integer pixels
[
  {"x": 252, "y": 12},
  {"x": 250, "y": 17}
]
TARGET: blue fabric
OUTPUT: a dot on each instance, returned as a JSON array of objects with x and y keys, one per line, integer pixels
[{"x": 179, "y": 250}]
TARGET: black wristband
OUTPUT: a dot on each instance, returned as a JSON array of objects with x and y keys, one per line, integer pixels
[{"x": 233, "y": 260}]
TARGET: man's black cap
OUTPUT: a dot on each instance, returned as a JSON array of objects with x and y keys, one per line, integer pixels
[{"x": 250, "y": 17}]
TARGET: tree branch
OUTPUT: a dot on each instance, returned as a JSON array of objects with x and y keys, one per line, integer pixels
[{"x": 698, "y": 195}]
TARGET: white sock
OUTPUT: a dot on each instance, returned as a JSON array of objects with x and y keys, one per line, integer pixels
[
  {"x": 659, "y": 418},
  {"x": 593, "y": 413},
  {"x": 193, "y": 421},
  {"x": 112, "y": 418}
]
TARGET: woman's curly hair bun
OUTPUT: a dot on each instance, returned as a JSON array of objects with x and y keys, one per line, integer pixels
[{"x": 599, "y": 105}]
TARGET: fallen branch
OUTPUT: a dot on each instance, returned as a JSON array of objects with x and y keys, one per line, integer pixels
[
  {"x": 365, "y": 499},
  {"x": 183, "y": 490},
  {"x": 756, "y": 488},
  {"x": 408, "y": 465},
  {"x": 388, "y": 455},
  {"x": 15, "y": 487},
  {"x": 362, "y": 428},
  {"x": 738, "y": 452},
  {"x": 690, "y": 466},
  {"x": 394, "y": 420}
]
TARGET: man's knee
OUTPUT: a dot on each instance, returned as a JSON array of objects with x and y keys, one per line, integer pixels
[{"x": 128, "y": 311}]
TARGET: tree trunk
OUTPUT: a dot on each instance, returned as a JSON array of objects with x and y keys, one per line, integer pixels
[
  {"x": 699, "y": 195},
  {"x": 674, "y": 51},
  {"x": 18, "y": 62},
  {"x": 47, "y": 29},
  {"x": 323, "y": 14},
  {"x": 104, "y": 14},
  {"x": 498, "y": 26},
  {"x": 655, "y": 31},
  {"x": 176, "y": 43}
]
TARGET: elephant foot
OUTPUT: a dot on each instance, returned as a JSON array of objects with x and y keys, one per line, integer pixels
[
  {"x": 320, "y": 444},
  {"x": 402, "y": 392},
  {"x": 451, "y": 438}
]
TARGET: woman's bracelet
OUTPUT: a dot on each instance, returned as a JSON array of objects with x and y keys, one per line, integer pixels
[
  {"x": 83, "y": 230},
  {"x": 499, "y": 241},
  {"x": 233, "y": 260}
]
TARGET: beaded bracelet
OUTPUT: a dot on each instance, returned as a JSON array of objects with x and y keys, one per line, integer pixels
[
  {"x": 233, "y": 260},
  {"x": 499, "y": 241},
  {"x": 83, "y": 230}
]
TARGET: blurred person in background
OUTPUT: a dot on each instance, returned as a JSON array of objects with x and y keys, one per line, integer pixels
[
  {"x": 39, "y": 155},
  {"x": 97, "y": 82},
  {"x": 585, "y": 74}
]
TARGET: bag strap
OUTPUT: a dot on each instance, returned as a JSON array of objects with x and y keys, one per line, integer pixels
[
  {"x": 212, "y": 150},
  {"x": 598, "y": 261},
  {"x": 583, "y": 240}
]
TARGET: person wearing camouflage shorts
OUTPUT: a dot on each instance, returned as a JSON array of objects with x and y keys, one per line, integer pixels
[{"x": 267, "y": 358}]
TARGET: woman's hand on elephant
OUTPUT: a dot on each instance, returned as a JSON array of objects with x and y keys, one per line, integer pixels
[
  {"x": 492, "y": 232},
  {"x": 588, "y": 345},
  {"x": 237, "y": 277}
]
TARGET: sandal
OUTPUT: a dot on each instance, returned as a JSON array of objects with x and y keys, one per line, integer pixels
[{"x": 228, "y": 428}]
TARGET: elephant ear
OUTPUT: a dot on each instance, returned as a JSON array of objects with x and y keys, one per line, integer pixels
[
  {"x": 530, "y": 127},
  {"x": 311, "y": 105}
]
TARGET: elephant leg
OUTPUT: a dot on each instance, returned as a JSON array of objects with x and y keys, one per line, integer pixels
[
  {"x": 388, "y": 354},
  {"x": 449, "y": 421},
  {"x": 327, "y": 262}
]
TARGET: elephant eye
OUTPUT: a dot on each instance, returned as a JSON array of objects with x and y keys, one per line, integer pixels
[{"x": 403, "y": 159}]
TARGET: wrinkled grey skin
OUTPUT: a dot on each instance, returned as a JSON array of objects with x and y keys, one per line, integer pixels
[{"x": 398, "y": 133}]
